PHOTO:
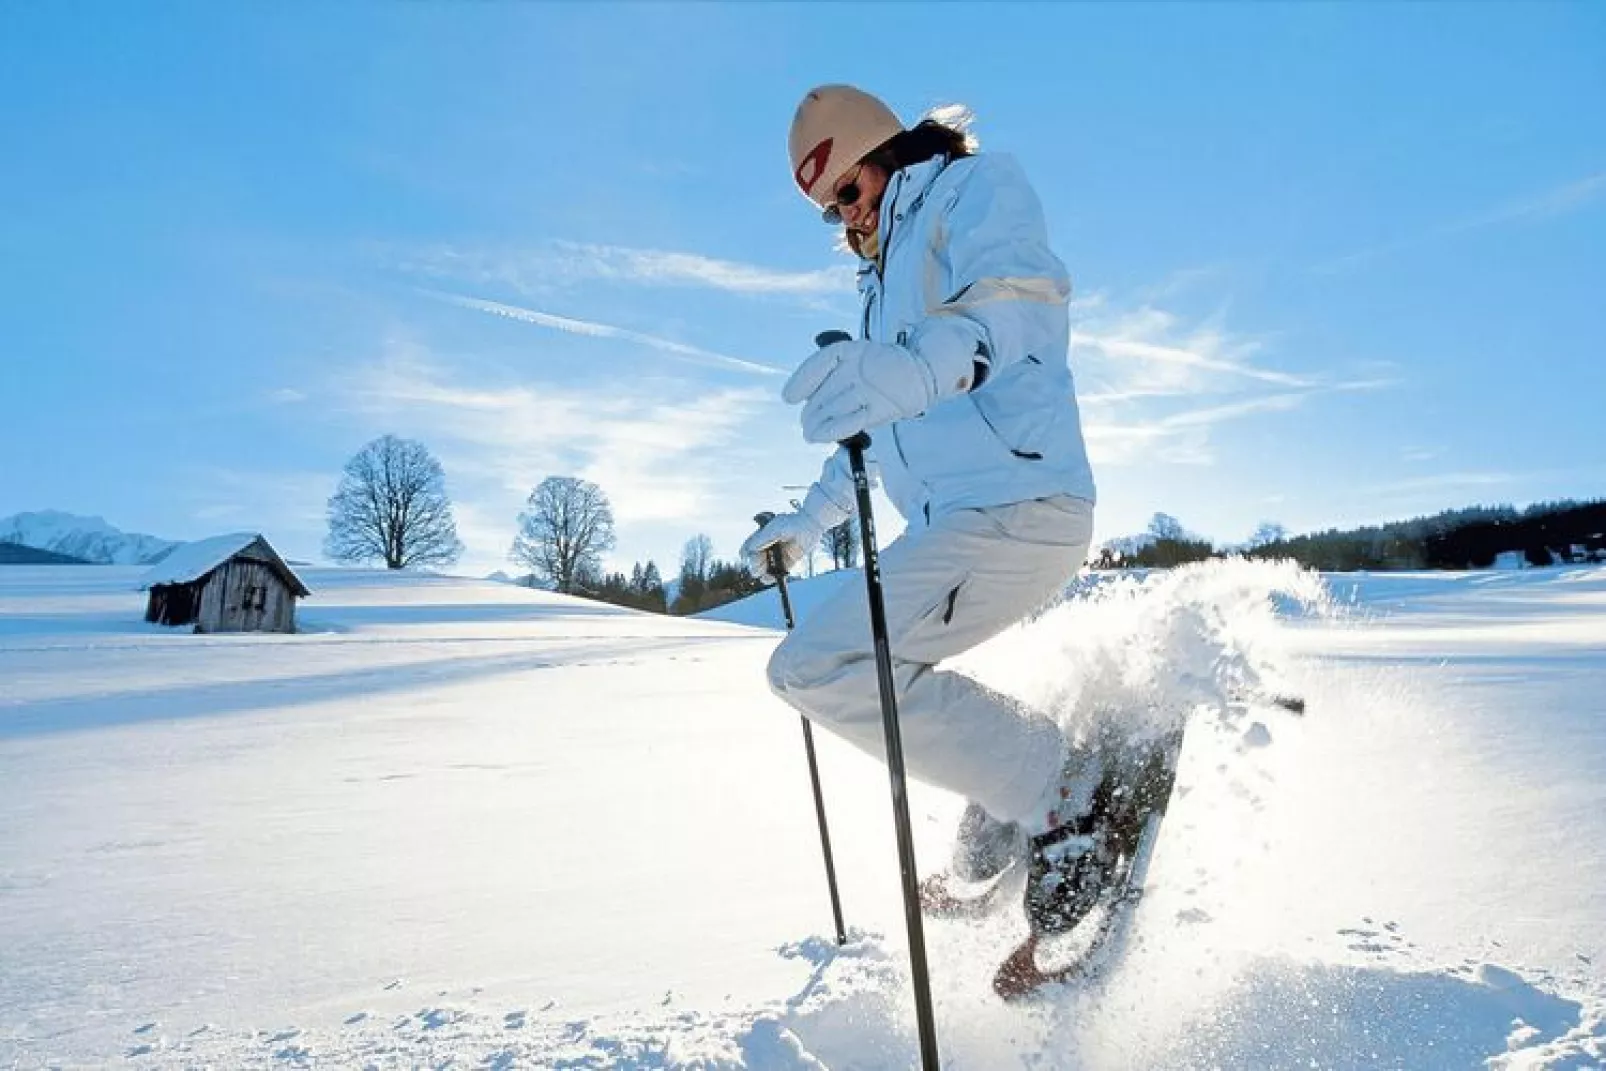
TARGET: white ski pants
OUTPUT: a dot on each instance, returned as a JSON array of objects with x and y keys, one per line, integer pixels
[{"x": 948, "y": 587}]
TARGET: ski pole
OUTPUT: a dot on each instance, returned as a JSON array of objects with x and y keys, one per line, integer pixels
[
  {"x": 779, "y": 572},
  {"x": 924, "y": 1015}
]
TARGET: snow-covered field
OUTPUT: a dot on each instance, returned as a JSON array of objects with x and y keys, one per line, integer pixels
[{"x": 457, "y": 823}]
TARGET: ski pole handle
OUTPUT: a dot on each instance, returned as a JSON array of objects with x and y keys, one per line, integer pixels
[
  {"x": 771, "y": 553},
  {"x": 861, "y": 441}
]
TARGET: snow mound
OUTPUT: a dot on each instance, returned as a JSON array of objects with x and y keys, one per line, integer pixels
[
  {"x": 853, "y": 1012},
  {"x": 762, "y": 609}
]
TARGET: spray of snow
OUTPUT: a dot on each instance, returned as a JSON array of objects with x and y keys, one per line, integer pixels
[{"x": 1206, "y": 640}]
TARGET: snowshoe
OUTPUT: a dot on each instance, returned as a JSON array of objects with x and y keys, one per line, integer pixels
[{"x": 1086, "y": 877}]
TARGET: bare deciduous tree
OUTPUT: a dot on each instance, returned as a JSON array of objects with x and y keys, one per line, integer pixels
[
  {"x": 1268, "y": 532},
  {"x": 391, "y": 506},
  {"x": 563, "y": 533},
  {"x": 1165, "y": 526},
  {"x": 695, "y": 558},
  {"x": 841, "y": 542}
]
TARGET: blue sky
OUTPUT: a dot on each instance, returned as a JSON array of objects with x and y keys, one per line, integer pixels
[{"x": 1334, "y": 264}]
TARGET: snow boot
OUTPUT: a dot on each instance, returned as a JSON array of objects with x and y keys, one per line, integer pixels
[
  {"x": 1068, "y": 864},
  {"x": 984, "y": 846}
]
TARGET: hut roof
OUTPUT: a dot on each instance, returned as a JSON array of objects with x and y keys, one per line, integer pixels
[{"x": 189, "y": 562}]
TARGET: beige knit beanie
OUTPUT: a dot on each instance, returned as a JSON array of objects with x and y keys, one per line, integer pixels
[{"x": 833, "y": 129}]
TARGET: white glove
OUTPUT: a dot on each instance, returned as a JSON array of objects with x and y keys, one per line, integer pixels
[
  {"x": 850, "y": 387},
  {"x": 787, "y": 536}
]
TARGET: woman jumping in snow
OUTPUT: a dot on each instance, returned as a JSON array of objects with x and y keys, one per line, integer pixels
[{"x": 960, "y": 375}]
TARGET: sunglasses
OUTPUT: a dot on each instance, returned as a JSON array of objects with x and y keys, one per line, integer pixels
[{"x": 846, "y": 197}]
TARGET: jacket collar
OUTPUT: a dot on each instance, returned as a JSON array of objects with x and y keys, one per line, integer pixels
[
  {"x": 909, "y": 188},
  {"x": 905, "y": 191}
]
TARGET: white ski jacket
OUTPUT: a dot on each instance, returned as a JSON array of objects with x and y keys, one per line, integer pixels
[{"x": 967, "y": 265}]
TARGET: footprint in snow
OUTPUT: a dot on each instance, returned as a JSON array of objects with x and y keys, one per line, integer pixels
[
  {"x": 146, "y": 1029},
  {"x": 514, "y": 1020},
  {"x": 435, "y": 1018},
  {"x": 1376, "y": 942},
  {"x": 353, "y": 1020}
]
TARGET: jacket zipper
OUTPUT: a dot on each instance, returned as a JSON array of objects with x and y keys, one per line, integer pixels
[{"x": 875, "y": 293}]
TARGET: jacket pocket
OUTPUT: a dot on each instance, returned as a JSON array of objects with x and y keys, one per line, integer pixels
[
  {"x": 1012, "y": 409},
  {"x": 953, "y": 443}
]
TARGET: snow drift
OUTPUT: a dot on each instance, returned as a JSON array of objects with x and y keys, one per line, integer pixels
[{"x": 464, "y": 823}]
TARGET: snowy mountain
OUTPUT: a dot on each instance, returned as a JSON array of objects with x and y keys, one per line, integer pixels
[{"x": 89, "y": 539}]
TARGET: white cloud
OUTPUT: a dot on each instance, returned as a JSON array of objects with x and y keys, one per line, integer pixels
[
  {"x": 1554, "y": 202},
  {"x": 1546, "y": 205},
  {"x": 287, "y": 506},
  {"x": 600, "y": 330},
  {"x": 657, "y": 450},
  {"x": 1447, "y": 481},
  {"x": 1135, "y": 367},
  {"x": 654, "y": 266},
  {"x": 541, "y": 270},
  {"x": 1149, "y": 351}
]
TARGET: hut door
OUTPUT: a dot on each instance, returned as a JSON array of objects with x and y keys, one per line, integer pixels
[{"x": 256, "y": 601}]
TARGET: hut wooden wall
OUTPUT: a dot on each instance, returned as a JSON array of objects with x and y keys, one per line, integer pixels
[{"x": 227, "y": 604}]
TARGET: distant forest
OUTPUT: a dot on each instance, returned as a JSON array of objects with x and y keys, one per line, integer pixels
[
  {"x": 1546, "y": 533},
  {"x": 21, "y": 554}
]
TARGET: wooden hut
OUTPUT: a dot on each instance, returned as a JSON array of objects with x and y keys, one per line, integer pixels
[{"x": 232, "y": 583}]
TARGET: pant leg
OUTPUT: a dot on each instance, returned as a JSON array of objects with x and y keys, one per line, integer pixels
[{"x": 948, "y": 588}]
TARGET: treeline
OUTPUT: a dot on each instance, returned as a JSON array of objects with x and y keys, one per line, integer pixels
[
  {"x": 1568, "y": 534},
  {"x": 391, "y": 506},
  {"x": 1166, "y": 545},
  {"x": 707, "y": 582},
  {"x": 643, "y": 589},
  {"x": 703, "y": 583},
  {"x": 1545, "y": 533}
]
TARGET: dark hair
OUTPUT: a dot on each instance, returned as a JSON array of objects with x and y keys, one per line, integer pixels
[{"x": 925, "y": 140}]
